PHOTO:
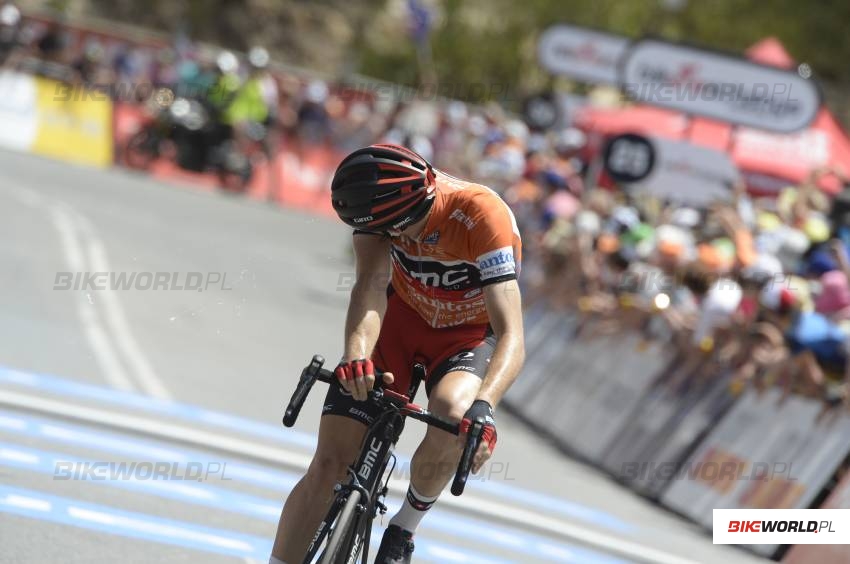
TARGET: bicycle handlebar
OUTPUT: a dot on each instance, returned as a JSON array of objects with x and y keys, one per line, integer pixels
[
  {"x": 314, "y": 371},
  {"x": 308, "y": 377}
]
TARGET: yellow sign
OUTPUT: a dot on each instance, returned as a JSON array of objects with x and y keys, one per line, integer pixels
[{"x": 74, "y": 124}]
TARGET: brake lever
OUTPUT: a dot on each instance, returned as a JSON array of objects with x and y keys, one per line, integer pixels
[
  {"x": 309, "y": 375},
  {"x": 473, "y": 439}
]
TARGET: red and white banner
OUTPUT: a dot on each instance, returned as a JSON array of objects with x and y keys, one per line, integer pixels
[{"x": 718, "y": 86}]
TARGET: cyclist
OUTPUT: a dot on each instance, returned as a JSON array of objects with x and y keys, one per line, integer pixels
[{"x": 451, "y": 251}]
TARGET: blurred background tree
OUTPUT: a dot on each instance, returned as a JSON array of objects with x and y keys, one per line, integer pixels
[{"x": 480, "y": 40}]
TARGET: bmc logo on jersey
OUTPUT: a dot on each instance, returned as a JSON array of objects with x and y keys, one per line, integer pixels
[
  {"x": 448, "y": 279},
  {"x": 435, "y": 274},
  {"x": 497, "y": 263}
]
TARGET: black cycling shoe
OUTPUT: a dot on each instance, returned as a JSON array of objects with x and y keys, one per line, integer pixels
[{"x": 396, "y": 546}]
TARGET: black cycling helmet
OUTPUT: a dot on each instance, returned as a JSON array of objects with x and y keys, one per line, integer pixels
[{"x": 382, "y": 187}]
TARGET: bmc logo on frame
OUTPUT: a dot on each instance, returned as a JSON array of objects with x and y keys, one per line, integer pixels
[{"x": 781, "y": 526}]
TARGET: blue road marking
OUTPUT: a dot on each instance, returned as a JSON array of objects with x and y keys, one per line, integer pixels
[
  {"x": 187, "y": 412},
  {"x": 76, "y": 435},
  {"x": 106, "y": 519},
  {"x": 37, "y": 505},
  {"x": 224, "y": 499},
  {"x": 205, "y": 417}
]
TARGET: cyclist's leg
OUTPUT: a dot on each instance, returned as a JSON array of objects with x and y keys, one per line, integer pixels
[
  {"x": 438, "y": 454},
  {"x": 452, "y": 387},
  {"x": 338, "y": 446}
]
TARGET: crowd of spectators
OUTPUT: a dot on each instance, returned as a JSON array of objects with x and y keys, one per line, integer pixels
[{"x": 756, "y": 286}]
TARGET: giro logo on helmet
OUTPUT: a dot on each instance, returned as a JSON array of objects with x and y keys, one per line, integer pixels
[{"x": 363, "y": 219}]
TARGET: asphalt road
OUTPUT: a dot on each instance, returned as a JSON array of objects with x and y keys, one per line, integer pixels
[{"x": 92, "y": 372}]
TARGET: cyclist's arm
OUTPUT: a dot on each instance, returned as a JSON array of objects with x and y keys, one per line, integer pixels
[
  {"x": 368, "y": 301},
  {"x": 504, "y": 307}
]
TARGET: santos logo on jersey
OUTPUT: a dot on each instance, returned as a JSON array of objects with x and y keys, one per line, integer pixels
[{"x": 497, "y": 263}]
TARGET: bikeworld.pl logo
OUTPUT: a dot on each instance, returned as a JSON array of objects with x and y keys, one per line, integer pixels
[
  {"x": 102, "y": 470},
  {"x": 179, "y": 281},
  {"x": 781, "y": 526}
]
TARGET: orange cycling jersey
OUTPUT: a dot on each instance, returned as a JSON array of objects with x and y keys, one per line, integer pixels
[{"x": 470, "y": 240}]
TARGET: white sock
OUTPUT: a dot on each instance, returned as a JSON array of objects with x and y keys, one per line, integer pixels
[
  {"x": 413, "y": 510},
  {"x": 273, "y": 560}
]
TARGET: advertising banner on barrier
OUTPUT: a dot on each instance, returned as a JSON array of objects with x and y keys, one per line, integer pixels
[
  {"x": 17, "y": 111},
  {"x": 544, "y": 328},
  {"x": 649, "y": 452},
  {"x": 718, "y": 86},
  {"x": 38, "y": 119},
  {"x": 607, "y": 388},
  {"x": 764, "y": 453},
  {"x": 74, "y": 125},
  {"x": 574, "y": 389}
]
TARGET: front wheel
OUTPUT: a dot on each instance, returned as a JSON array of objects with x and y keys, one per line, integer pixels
[{"x": 338, "y": 549}]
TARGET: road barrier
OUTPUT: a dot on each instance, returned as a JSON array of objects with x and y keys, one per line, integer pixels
[
  {"x": 38, "y": 118},
  {"x": 690, "y": 441}
]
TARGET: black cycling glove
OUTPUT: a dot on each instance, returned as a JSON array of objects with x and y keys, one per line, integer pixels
[{"x": 483, "y": 411}]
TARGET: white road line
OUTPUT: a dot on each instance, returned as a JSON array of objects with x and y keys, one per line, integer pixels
[
  {"x": 117, "y": 320},
  {"x": 99, "y": 342},
  {"x": 481, "y": 507},
  {"x": 74, "y": 227}
]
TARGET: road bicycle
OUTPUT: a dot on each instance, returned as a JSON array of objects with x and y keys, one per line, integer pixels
[{"x": 345, "y": 532}]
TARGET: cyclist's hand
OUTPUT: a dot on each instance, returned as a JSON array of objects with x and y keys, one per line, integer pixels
[
  {"x": 358, "y": 377},
  {"x": 482, "y": 410}
]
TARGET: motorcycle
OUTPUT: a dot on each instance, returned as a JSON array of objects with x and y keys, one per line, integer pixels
[{"x": 186, "y": 132}]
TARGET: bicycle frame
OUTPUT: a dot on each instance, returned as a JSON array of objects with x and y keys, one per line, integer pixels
[
  {"x": 365, "y": 476},
  {"x": 368, "y": 471}
]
